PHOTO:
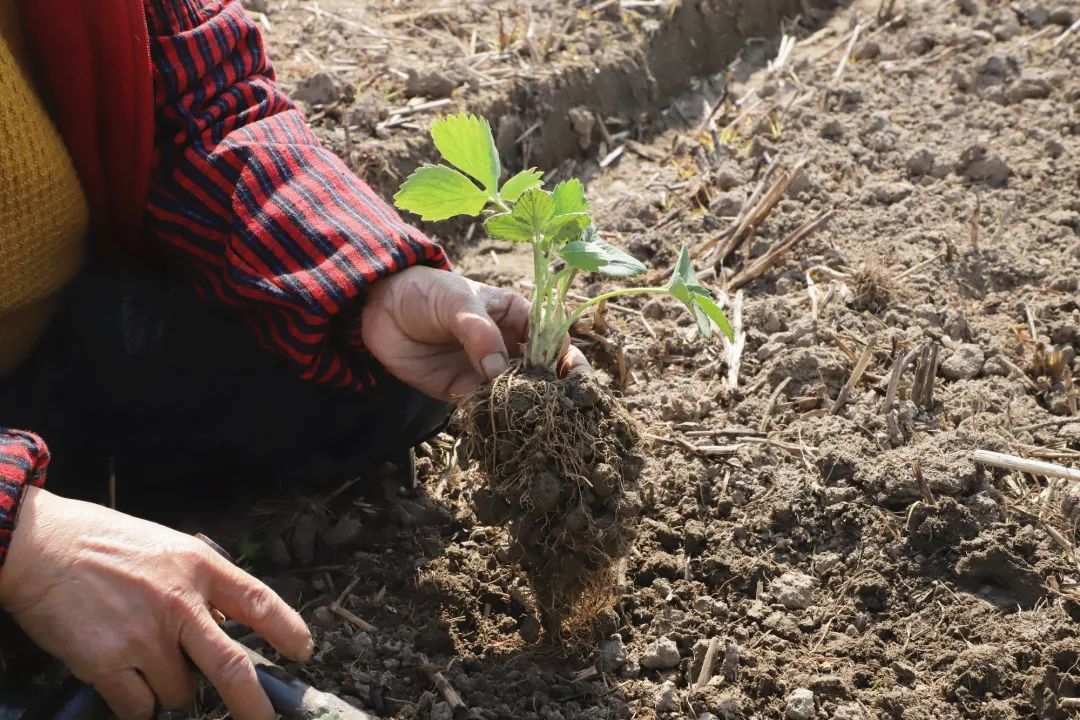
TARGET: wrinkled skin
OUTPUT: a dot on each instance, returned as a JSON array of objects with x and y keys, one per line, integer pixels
[
  {"x": 445, "y": 334},
  {"x": 118, "y": 599}
]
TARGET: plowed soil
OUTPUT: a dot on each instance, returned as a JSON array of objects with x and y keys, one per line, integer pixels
[{"x": 813, "y": 544}]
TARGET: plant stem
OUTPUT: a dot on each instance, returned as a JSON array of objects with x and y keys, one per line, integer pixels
[
  {"x": 566, "y": 280},
  {"x": 536, "y": 311},
  {"x": 574, "y": 316}
]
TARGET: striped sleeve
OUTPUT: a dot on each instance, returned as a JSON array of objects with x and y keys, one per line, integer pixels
[
  {"x": 23, "y": 461},
  {"x": 245, "y": 198}
]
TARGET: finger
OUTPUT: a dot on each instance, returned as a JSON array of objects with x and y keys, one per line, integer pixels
[
  {"x": 128, "y": 695},
  {"x": 478, "y": 334},
  {"x": 464, "y": 384},
  {"x": 227, "y": 667},
  {"x": 510, "y": 312},
  {"x": 170, "y": 680},
  {"x": 250, "y": 602},
  {"x": 573, "y": 362}
]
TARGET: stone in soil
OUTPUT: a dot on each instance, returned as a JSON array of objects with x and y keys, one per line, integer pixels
[
  {"x": 921, "y": 162},
  {"x": 890, "y": 193},
  {"x": 667, "y": 698},
  {"x": 964, "y": 363},
  {"x": 322, "y": 88},
  {"x": 322, "y": 617},
  {"x": 612, "y": 655},
  {"x": 1063, "y": 15},
  {"x": 979, "y": 164},
  {"x": 661, "y": 654},
  {"x": 430, "y": 84},
  {"x": 800, "y": 705},
  {"x": 1028, "y": 87},
  {"x": 794, "y": 590},
  {"x": 344, "y": 532},
  {"x": 849, "y": 711}
]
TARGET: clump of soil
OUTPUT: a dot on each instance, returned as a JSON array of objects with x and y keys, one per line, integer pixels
[{"x": 560, "y": 459}]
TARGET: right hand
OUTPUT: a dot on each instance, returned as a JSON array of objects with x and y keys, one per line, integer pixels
[
  {"x": 447, "y": 335},
  {"x": 121, "y": 600}
]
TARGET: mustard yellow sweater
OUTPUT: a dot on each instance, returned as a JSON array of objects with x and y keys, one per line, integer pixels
[{"x": 43, "y": 212}]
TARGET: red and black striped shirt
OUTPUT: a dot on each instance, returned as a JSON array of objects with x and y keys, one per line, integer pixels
[{"x": 245, "y": 201}]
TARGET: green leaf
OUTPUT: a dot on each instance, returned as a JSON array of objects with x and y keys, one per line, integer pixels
[
  {"x": 524, "y": 180},
  {"x": 535, "y": 209},
  {"x": 682, "y": 293},
  {"x": 564, "y": 228},
  {"x": 685, "y": 288},
  {"x": 507, "y": 227},
  {"x": 592, "y": 254},
  {"x": 706, "y": 303},
  {"x": 569, "y": 196},
  {"x": 465, "y": 141},
  {"x": 684, "y": 269},
  {"x": 571, "y": 212},
  {"x": 436, "y": 192}
]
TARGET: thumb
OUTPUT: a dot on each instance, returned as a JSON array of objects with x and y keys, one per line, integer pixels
[{"x": 477, "y": 332}]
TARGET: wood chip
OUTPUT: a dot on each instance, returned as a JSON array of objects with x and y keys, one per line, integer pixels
[
  {"x": 351, "y": 618},
  {"x": 706, "y": 673},
  {"x": 856, "y": 375},
  {"x": 1019, "y": 464}
]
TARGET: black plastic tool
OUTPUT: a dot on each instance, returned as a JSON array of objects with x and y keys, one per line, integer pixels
[{"x": 291, "y": 697}]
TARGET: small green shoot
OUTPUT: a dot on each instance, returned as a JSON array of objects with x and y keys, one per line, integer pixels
[{"x": 556, "y": 223}]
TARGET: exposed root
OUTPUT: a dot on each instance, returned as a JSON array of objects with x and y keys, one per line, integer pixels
[{"x": 561, "y": 462}]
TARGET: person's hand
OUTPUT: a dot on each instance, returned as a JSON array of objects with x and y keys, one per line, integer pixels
[
  {"x": 446, "y": 335},
  {"x": 121, "y": 600}
]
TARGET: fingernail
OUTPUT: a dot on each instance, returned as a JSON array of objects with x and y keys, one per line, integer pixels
[
  {"x": 493, "y": 365},
  {"x": 309, "y": 648}
]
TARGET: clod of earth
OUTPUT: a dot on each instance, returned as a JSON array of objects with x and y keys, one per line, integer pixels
[
  {"x": 612, "y": 655},
  {"x": 661, "y": 655},
  {"x": 794, "y": 590},
  {"x": 667, "y": 698},
  {"x": 964, "y": 363}
]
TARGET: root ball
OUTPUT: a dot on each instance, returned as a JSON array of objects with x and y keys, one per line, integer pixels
[{"x": 568, "y": 491}]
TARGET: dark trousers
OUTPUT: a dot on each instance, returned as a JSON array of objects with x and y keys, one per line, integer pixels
[
  {"x": 175, "y": 394},
  {"x": 181, "y": 399}
]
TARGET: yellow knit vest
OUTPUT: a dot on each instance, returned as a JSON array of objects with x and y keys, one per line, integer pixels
[{"x": 43, "y": 213}]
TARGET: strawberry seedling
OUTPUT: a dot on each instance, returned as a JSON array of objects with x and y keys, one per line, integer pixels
[
  {"x": 561, "y": 457},
  {"x": 556, "y": 224}
]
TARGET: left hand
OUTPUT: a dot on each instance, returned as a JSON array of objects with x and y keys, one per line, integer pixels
[
  {"x": 446, "y": 335},
  {"x": 120, "y": 601}
]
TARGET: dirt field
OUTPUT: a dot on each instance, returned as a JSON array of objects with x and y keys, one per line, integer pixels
[{"x": 817, "y": 542}]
